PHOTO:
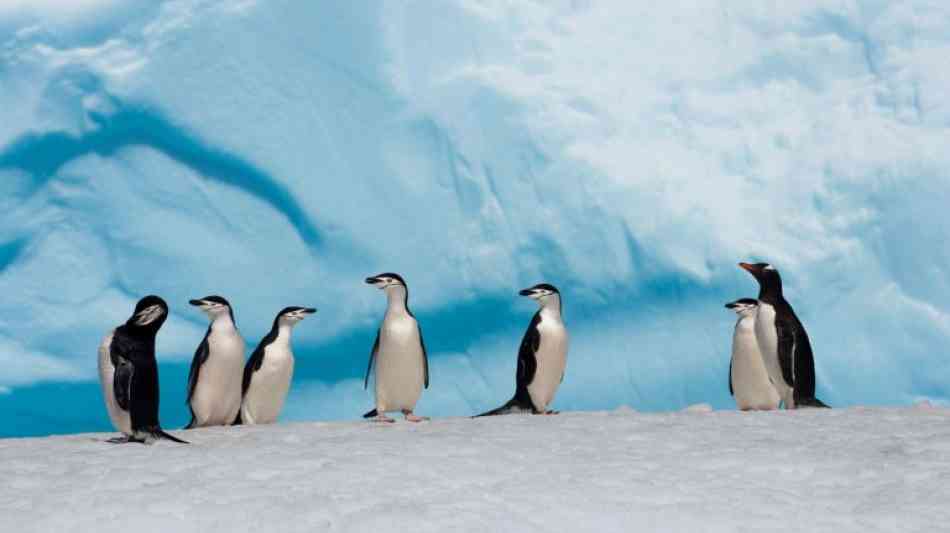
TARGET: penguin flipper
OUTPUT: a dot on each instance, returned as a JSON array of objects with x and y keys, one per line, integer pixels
[
  {"x": 527, "y": 360},
  {"x": 372, "y": 358},
  {"x": 255, "y": 362},
  {"x": 786, "y": 350},
  {"x": 201, "y": 355},
  {"x": 122, "y": 382},
  {"x": 425, "y": 358},
  {"x": 731, "y": 392}
]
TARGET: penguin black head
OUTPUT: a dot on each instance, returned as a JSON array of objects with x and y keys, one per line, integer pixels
[
  {"x": 150, "y": 313},
  {"x": 213, "y": 306},
  {"x": 540, "y": 292},
  {"x": 386, "y": 279},
  {"x": 292, "y": 315},
  {"x": 764, "y": 273},
  {"x": 743, "y": 306}
]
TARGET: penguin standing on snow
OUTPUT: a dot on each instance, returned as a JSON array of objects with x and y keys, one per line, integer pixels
[
  {"x": 542, "y": 357},
  {"x": 268, "y": 372},
  {"x": 748, "y": 380},
  {"x": 399, "y": 354},
  {"x": 783, "y": 341},
  {"x": 128, "y": 373},
  {"x": 214, "y": 383}
]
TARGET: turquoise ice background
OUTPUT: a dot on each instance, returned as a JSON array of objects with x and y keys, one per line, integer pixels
[{"x": 278, "y": 152}]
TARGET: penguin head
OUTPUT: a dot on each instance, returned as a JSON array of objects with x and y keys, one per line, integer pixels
[
  {"x": 386, "y": 280},
  {"x": 743, "y": 306},
  {"x": 150, "y": 313},
  {"x": 764, "y": 273},
  {"x": 542, "y": 292},
  {"x": 213, "y": 306},
  {"x": 291, "y": 315}
]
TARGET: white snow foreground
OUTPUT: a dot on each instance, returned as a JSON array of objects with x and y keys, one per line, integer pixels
[{"x": 818, "y": 470}]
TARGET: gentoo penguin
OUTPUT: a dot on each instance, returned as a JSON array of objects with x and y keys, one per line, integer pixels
[
  {"x": 214, "y": 383},
  {"x": 783, "y": 341},
  {"x": 128, "y": 373},
  {"x": 748, "y": 380},
  {"x": 542, "y": 356},
  {"x": 399, "y": 354},
  {"x": 269, "y": 370}
]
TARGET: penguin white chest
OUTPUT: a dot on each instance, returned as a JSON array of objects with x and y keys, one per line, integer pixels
[
  {"x": 400, "y": 364},
  {"x": 749, "y": 377},
  {"x": 217, "y": 395},
  {"x": 551, "y": 359},
  {"x": 120, "y": 418},
  {"x": 767, "y": 338},
  {"x": 269, "y": 386}
]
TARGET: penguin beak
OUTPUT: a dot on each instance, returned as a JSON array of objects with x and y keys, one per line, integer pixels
[
  {"x": 526, "y": 292},
  {"x": 197, "y": 303},
  {"x": 308, "y": 310},
  {"x": 148, "y": 315},
  {"x": 751, "y": 269},
  {"x": 372, "y": 281},
  {"x": 731, "y": 305}
]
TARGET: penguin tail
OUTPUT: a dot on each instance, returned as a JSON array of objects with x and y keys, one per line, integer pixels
[
  {"x": 371, "y": 414},
  {"x": 813, "y": 403},
  {"x": 158, "y": 433},
  {"x": 514, "y": 406},
  {"x": 237, "y": 420}
]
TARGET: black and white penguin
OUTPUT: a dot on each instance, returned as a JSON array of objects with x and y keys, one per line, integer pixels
[
  {"x": 783, "y": 341},
  {"x": 270, "y": 369},
  {"x": 749, "y": 381},
  {"x": 128, "y": 373},
  {"x": 214, "y": 383},
  {"x": 399, "y": 354},
  {"x": 542, "y": 357}
]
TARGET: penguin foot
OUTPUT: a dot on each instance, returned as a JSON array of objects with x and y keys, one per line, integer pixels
[
  {"x": 413, "y": 418},
  {"x": 552, "y": 412},
  {"x": 124, "y": 439},
  {"x": 383, "y": 418}
]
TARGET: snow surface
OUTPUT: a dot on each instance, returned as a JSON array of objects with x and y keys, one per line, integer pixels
[
  {"x": 859, "y": 469},
  {"x": 629, "y": 152}
]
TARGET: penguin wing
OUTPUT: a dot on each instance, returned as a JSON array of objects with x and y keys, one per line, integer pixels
[
  {"x": 201, "y": 355},
  {"x": 425, "y": 357},
  {"x": 253, "y": 365},
  {"x": 731, "y": 392},
  {"x": 120, "y": 351},
  {"x": 372, "y": 357},
  {"x": 804, "y": 367},
  {"x": 527, "y": 360},
  {"x": 786, "y": 348}
]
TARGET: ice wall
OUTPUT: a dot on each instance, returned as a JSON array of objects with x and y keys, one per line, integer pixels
[{"x": 278, "y": 152}]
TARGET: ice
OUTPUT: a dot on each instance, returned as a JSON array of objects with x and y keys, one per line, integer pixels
[
  {"x": 816, "y": 470},
  {"x": 629, "y": 153}
]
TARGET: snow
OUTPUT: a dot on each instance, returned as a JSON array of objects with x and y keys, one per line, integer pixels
[
  {"x": 629, "y": 153},
  {"x": 859, "y": 469}
]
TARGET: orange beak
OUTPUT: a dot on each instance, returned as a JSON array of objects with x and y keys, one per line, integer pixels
[{"x": 747, "y": 267}]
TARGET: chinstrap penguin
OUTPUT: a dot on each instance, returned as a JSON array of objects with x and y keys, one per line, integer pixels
[
  {"x": 214, "y": 383},
  {"x": 270, "y": 369},
  {"x": 128, "y": 373},
  {"x": 749, "y": 382},
  {"x": 399, "y": 354},
  {"x": 783, "y": 341},
  {"x": 542, "y": 357}
]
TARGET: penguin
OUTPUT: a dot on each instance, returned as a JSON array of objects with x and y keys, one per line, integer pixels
[
  {"x": 542, "y": 357},
  {"x": 399, "y": 354},
  {"x": 128, "y": 373},
  {"x": 268, "y": 372},
  {"x": 783, "y": 341},
  {"x": 214, "y": 382},
  {"x": 749, "y": 382}
]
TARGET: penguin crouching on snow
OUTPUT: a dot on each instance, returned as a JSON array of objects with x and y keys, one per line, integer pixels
[
  {"x": 128, "y": 373},
  {"x": 749, "y": 381},
  {"x": 399, "y": 354},
  {"x": 214, "y": 382},
  {"x": 783, "y": 341},
  {"x": 270, "y": 369},
  {"x": 542, "y": 357}
]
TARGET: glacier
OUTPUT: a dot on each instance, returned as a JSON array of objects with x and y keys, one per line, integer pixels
[{"x": 631, "y": 154}]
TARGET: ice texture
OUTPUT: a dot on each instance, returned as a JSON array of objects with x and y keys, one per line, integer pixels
[{"x": 630, "y": 153}]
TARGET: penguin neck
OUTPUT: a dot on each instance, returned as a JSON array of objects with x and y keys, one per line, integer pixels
[
  {"x": 551, "y": 307},
  {"x": 283, "y": 333},
  {"x": 770, "y": 293},
  {"x": 223, "y": 323},
  {"x": 398, "y": 298}
]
